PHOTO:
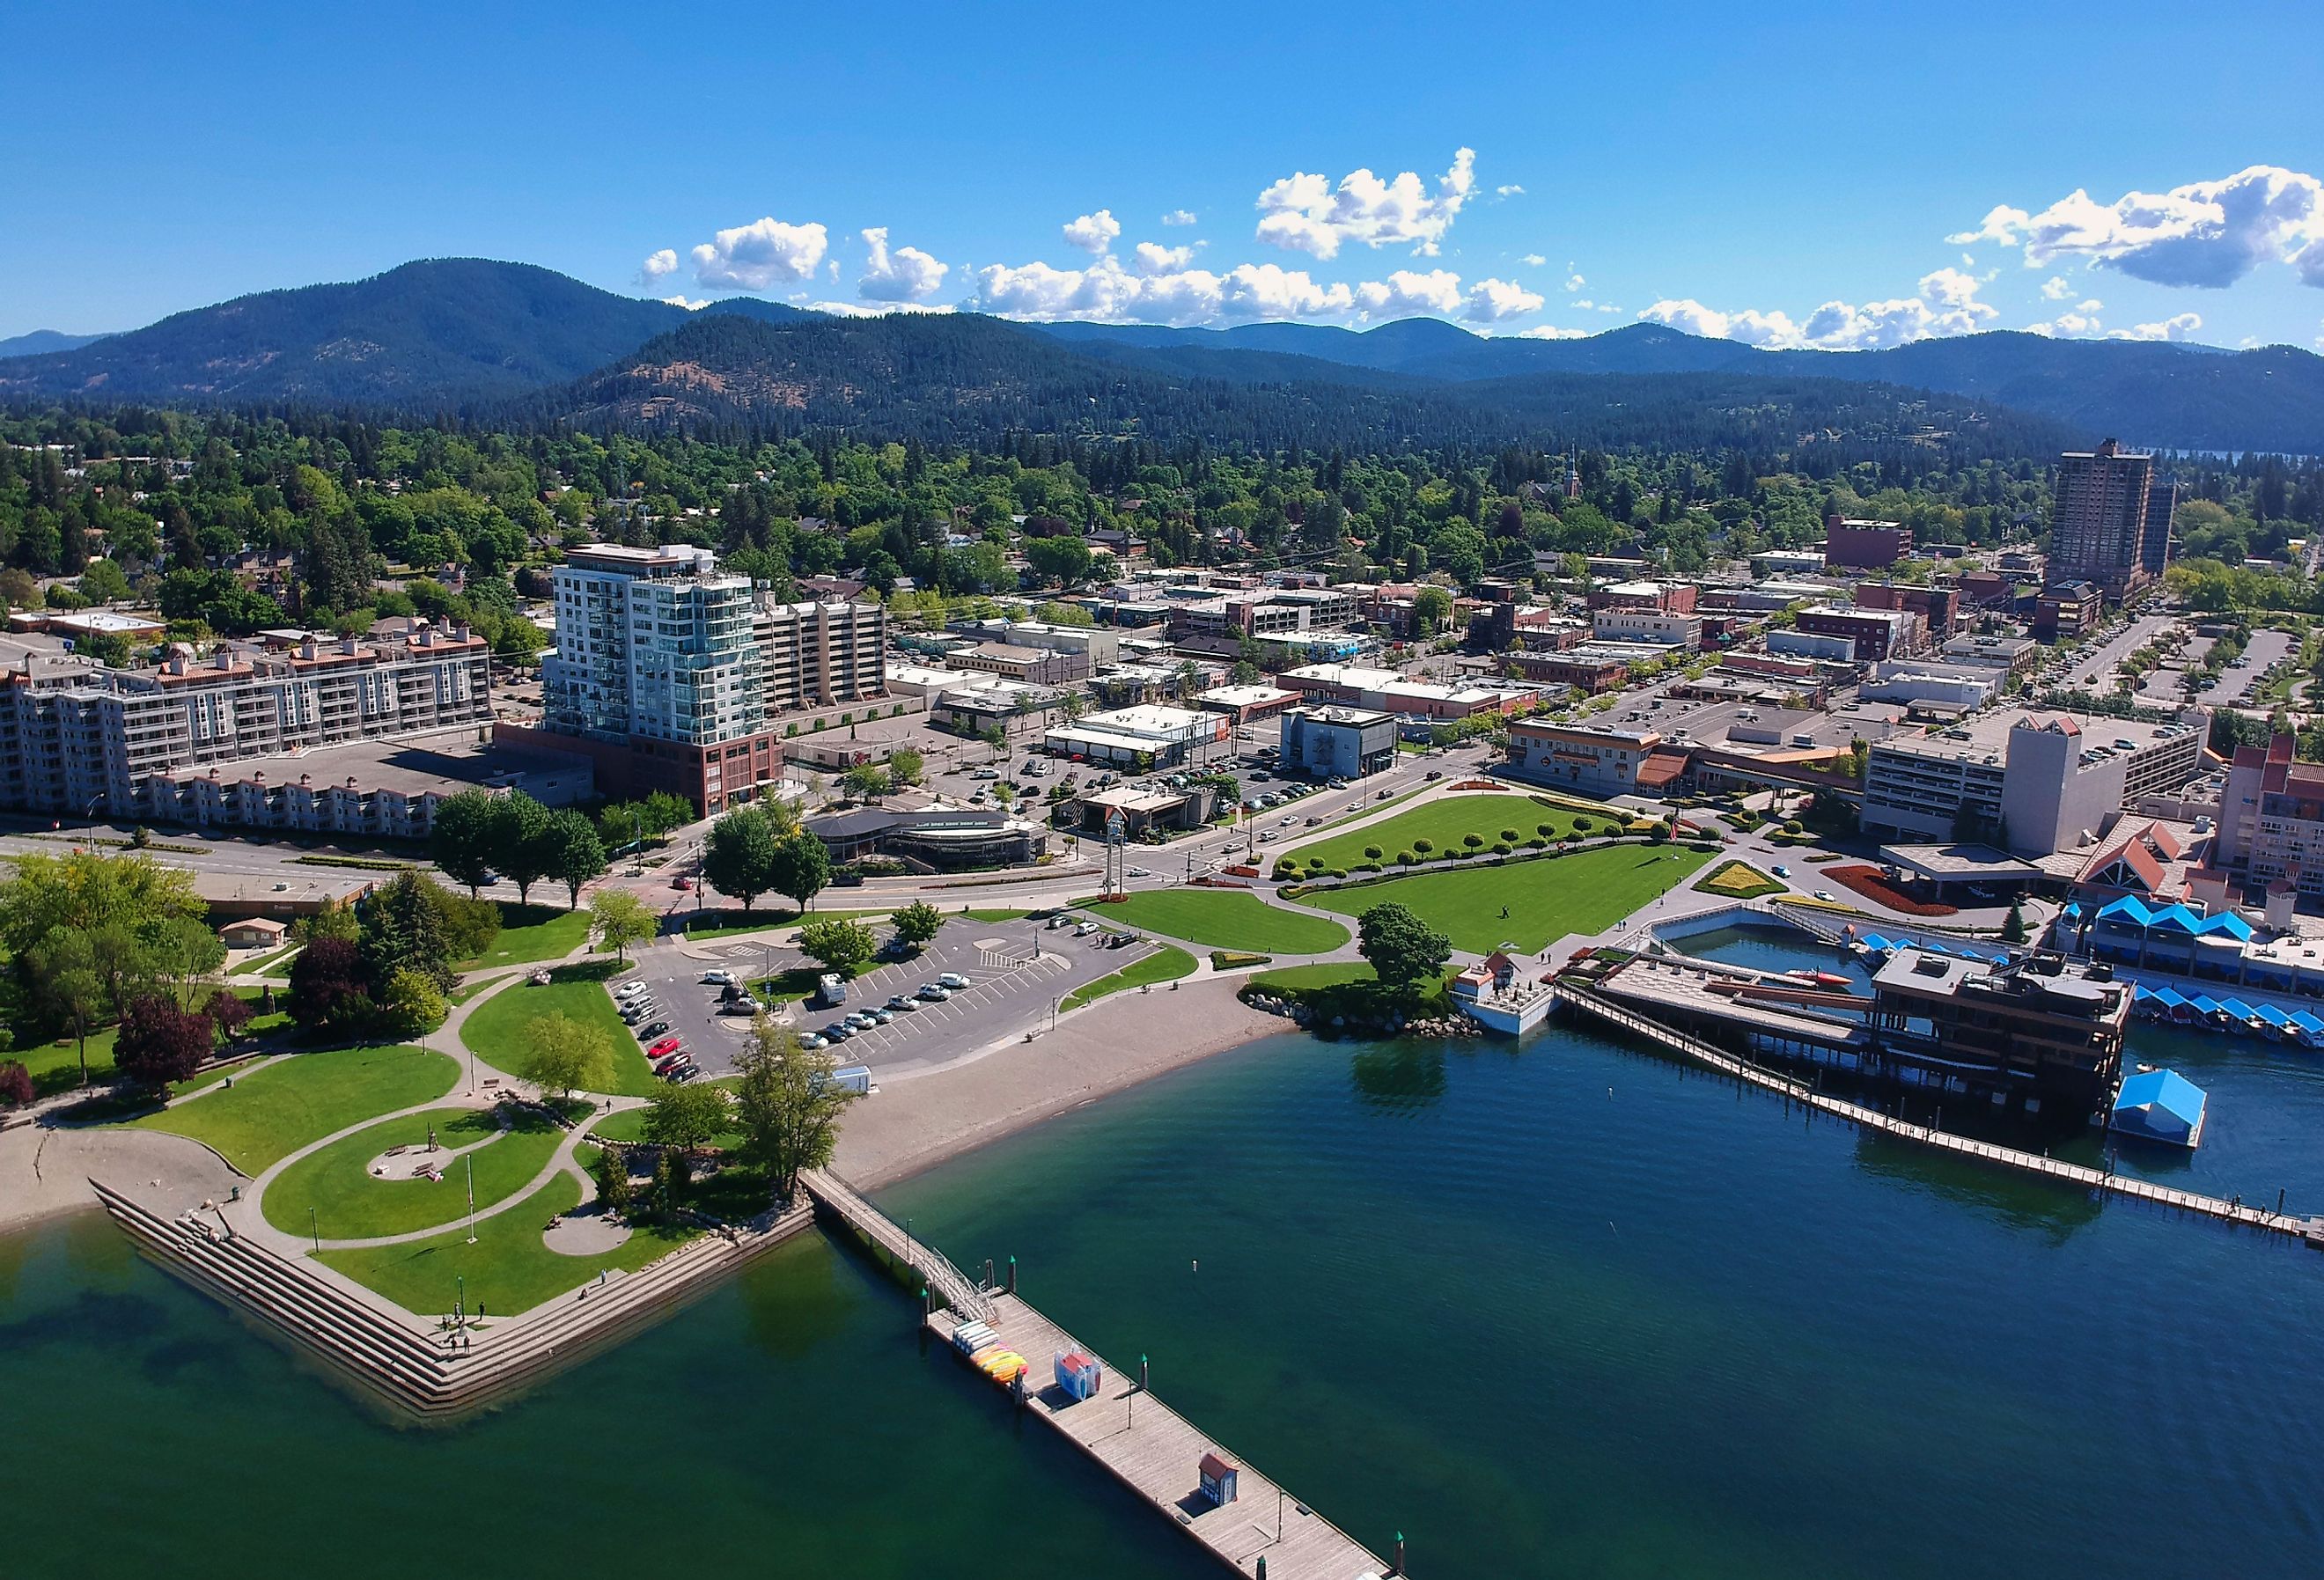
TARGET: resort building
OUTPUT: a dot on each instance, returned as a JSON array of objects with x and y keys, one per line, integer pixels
[
  {"x": 1595, "y": 760},
  {"x": 2042, "y": 1030},
  {"x": 2272, "y": 818},
  {"x": 76, "y": 735},
  {"x": 2034, "y": 785}
]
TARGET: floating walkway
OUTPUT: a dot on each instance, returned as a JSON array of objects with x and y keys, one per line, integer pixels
[
  {"x": 1602, "y": 1010},
  {"x": 1141, "y": 1442}
]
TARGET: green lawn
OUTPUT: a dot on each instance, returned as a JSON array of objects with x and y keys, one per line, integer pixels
[
  {"x": 1443, "y": 823},
  {"x": 1165, "y": 965},
  {"x": 1546, "y": 898},
  {"x": 530, "y": 933},
  {"x": 55, "y": 1067},
  {"x": 1300, "y": 978},
  {"x": 268, "y": 1115},
  {"x": 721, "y": 924},
  {"x": 629, "y": 1125},
  {"x": 1224, "y": 919},
  {"x": 351, "y": 1203},
  {"x": 495, "y": 1032},
  {"x": 276, "y": 964},
  {"x": 509, "y": 1270}
]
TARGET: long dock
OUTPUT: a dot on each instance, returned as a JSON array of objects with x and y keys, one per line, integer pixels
[
  {"x": 1598, "y": 1008},
  {"x": 1144, "y": 1444}
]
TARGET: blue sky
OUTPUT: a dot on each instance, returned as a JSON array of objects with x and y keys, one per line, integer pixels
[{"x": 1784, "y": 175}]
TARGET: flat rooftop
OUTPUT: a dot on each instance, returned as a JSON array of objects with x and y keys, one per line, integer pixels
[{"x": 446, "y": 761}]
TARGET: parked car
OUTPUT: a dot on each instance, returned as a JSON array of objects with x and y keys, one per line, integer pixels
[
  {"x": 835, "y": 1032},
  {"x": 639, "y": 1010},
  {"x": 685, "y": 1073},
  {"x": 718, "y": 978},
  {"x": 667, "y": 1068},
  {"x": 1823, "y": 894},
  {"x": 1782, "y": 871},
  {"x": 879, "y": 1017},
  {"x": 811, "y": 1040},
  {"x": 934, "y": 993},
  {"x": 656, "y": 1030},
  {"x": 859, "y": 1021},
  {"x": 628, "y": 989},
  {"x": 664, "y": 1048},
  {"x": 741, "y": 1006},
  {"x": 902, "y": 1003},
  {"x": 954, "y": 980}
]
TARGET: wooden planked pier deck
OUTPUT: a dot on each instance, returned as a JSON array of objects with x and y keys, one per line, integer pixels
[
  {"x": 1143, "y": 1443},
  {"x": 1153, "y": 1450}
]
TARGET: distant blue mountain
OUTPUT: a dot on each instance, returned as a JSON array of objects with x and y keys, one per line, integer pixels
[{"x": 42, "y": 340}]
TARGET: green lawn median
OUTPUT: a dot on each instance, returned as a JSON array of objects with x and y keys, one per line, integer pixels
[
  {"x": 1223, "y": 919},
  {"x": 509, "y": 1270},
  {"x": 1165, "y": 965},
  {"x": 1446, "y": 823},
  {"x": 350, "y": 1203},
  {"x": 1545, "y": 897},
  {"x": 267, "y": 1115}
]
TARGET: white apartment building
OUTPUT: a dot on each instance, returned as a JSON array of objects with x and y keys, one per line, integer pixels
[
  {"x": 652, "y": 642},
  {"x": 1647, "y": 625},
  {"x": 2037, "y": 783},
  {"x": 77, "y": 736}
]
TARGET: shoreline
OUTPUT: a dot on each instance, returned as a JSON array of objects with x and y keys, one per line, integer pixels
[
  {"x": 917, "y": 1123},
  {"x": 44, "y": 1173}
]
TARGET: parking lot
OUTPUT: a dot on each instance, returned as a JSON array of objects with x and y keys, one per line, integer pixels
[{"x": 1016, "y": 972}]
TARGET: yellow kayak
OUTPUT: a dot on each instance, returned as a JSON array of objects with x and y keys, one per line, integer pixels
[{"x": 1002, "y": 1366}]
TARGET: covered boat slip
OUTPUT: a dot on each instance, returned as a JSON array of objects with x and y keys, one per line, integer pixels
[
  {"x": 2230, "y": 1013},
  {"x": 2160, "y": 1105}
]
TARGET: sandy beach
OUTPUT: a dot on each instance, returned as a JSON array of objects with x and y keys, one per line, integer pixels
[
  {"x": 44, "y": 1172},
  {"x": 1116, "y": 1043}
]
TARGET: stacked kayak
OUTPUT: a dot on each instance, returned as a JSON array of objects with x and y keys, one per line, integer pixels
[{"x": 982, "y": 1347}]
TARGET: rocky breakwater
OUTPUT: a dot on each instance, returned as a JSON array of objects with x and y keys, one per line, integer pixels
[{"x": 1341, "y": 1020}]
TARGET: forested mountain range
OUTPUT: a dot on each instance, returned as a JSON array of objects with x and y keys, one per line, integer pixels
[{"x": 487, "y": 341}]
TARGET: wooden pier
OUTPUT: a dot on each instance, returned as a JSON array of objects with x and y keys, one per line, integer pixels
[
  {"x": 1602, "y": 1010},
  {"x": 1144, "y": 1444}
]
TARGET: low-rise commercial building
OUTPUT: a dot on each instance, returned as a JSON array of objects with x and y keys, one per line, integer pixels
[
  {"x": 1595, "y": 759},
  {"x": 1938, "y": 607},
  {"x": 945, "y": 839},
  {"x": 1034, "y": 666},
  {"x": 2067, "y": 609},
  {"x": 1874, "y": 634},
  {"x": 1345, "y": 742},
  {"x": 2043, "y": 1031},
  {"x": 2034, "y": 784},
  {"x": 1666, "y": 630},
  {"x": 1244, "y": 704},
  {"x": 1151, "y": 735},
  {"x": 1865, "y": 545}
]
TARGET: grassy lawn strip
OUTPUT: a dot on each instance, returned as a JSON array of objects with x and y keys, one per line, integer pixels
[
  {"x": 509, "y": 1268},
  {"x": 1296, "y": 979},
  {"x": 530, "y": 933},
  {"x": 629, "y": 1125},
  {"x": 495, "y": 1032},
  {"x": 56, "y": 1066},
  {"x": 1586, "y": 893},
  {"x": 351, "y": 1203},
  {"x": 1444, "y": 823},
  {"x": 273, "y": 1112},
  {"x": 1224, "y": 919},
  {"x": 1741, "y": 881},
  {"x": 1165, "y": 965}
]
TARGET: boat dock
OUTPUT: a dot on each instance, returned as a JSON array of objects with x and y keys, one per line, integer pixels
[
  {"x": 1601, "y": 1009},
  {"x": 1141, "y": 1442}
]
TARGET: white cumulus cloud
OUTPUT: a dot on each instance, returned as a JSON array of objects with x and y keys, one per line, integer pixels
[
  {"x": 2057, "y": 288},
  {"x": 1408, "y": 291},
  {"x": 1532, "y": 260},
  {"x": 1307, "y": 213},
  {"x": 1491, "y": 301},
  {"x": 2067, "y": 326},
  {"x": 1152, "y": 258},
  {"x": 1575, "y": 282},
  {"x": 872, "y": 310},
  {"x": 692, "y": 306},
  {"x": 1510, "y": 190},
  {"x": 1946, "y": 304},
  {"x": 761, "y": 255},
  {"x": 1552, "y": 332},
  {"x": 2178, "y": 327},
  {"x": 657, "y": 264},
  {"x": 904, "y": 274},
  {"x": 1093, "y": 233},
  {"x": 1179, "y": 217},
  {"x": 1106, "y": 290},
  {"x": 2208, "y": 234}
]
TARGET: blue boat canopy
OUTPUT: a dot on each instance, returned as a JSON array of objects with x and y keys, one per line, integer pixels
[
  {"x": 2306, "y": 1022},
  {"x": 2160, "y": 1104},
  {"x": 1876, "y": 943},
  {"x": 2205, "y": 1004},
  {"x": 2238, "y": 1009},
  {"x": 2169, "y": 998},
  {"x": 2271, "y": 1015},
  {"x": 2073, "y": 909},
  {"x": 2140, "y": 993}
]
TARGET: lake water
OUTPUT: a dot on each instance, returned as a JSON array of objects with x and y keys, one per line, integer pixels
[{"x": 1560, "y": 1310}]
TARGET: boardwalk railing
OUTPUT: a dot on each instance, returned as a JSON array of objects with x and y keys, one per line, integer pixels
[
  {"x": 945, "y": 1281},
  {"x": 2098, "y": 1179}
]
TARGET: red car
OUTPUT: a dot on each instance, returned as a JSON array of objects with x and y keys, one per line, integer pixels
[
  {"x": 665, "y": 1048},
  {"x": 672, "y": 1068},
  {"x": 681, "y": 882}
]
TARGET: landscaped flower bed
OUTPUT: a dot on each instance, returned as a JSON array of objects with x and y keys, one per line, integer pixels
[{"x": 1869, "y": 882}]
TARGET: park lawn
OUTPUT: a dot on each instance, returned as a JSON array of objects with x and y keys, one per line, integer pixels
[
  {"x": 1741, "y": 881},
  {"x": 55, "y": 1067},
  {"x": 1547, "y": 898},
  {"x": 1165, "y": 965},
  {"x": 1224, "y": 919},
  {"x": 530, "y": 933},
  {"x": 272, "y": 1112},
  {"x": 724, "y": 924},
  {"x": 994, "y": 916},
  {"x": 629, "y": 1125},
  {"x": 1444, "y": 823},
  {"x": 351, "y": 1203},
  {"x": 509, "y": 1270},
  {"x": 276, "y": 965},
  {"x": 495, "y": 1032},
  {"x": 1305, "y": 978}
]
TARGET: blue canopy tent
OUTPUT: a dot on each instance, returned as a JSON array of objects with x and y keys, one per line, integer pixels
[
  {"x": 2161, "y": 1106},
  {"x": 2271, "y": 1015}
]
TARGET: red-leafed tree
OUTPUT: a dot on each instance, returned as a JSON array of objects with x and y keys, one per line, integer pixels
[
  {"x": 328, "y": 986},
  {"x": 161, "y": 1042},
  {"x": 16, "y": 1084},
  {"x": 229, "y": 1012}
]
